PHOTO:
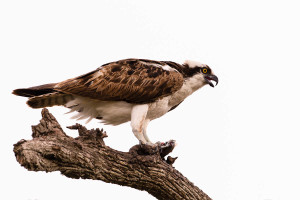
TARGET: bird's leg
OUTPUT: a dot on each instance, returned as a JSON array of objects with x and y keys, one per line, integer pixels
[
  {"x": 138, "y": 117},
  {"x": 145, "y": 131}
]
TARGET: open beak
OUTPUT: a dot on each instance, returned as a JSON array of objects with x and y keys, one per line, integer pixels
[{"x": 210, "y": 78}]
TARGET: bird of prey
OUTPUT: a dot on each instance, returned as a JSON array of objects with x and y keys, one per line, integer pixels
[{"x": 136, "y": 90}]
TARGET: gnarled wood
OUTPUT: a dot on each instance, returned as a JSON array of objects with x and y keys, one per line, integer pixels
[{"x": 87, "y": 157}]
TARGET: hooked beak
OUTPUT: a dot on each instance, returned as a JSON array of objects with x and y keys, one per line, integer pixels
[{"x": 210, "y": 78}]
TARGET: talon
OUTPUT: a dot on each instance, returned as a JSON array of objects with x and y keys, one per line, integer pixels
[{"x": 167, "y": 147}]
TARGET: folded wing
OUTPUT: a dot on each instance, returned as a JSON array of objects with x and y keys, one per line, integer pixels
[{"x": 130, "y": 80}]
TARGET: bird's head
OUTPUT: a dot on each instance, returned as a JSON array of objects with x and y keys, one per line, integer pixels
[{"x": 201, "y": 72}]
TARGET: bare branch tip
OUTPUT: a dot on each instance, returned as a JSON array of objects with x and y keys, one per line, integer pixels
[
  {"x": 171, "y": 160},
  {"x": 20, "y": 142}
]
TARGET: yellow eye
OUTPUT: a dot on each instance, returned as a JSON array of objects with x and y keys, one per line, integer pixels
[{"x": 204, "y": 70}]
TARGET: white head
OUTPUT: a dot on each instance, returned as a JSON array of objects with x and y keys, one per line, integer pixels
[
  {"x": 199, "y": 72},
  {"x": 193, "y": 64}
]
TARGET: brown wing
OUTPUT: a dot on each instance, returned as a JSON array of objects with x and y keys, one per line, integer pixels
[{"x": 130, "y": 80}]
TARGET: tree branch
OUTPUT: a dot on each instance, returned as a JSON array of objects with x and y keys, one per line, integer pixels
[{"x": 87, "y": 157}]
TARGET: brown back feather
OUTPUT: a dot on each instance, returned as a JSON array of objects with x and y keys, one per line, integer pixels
[{"x": 130, "y": 80}]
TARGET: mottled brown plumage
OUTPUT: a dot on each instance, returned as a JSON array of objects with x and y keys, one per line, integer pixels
[{"x": 130, "y": 80}]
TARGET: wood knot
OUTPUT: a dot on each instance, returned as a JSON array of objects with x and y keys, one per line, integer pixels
[
  {"x": 48, "y": 126},
  {"x": 56, "y": 148},
  {"x": 93, "y": 136}
]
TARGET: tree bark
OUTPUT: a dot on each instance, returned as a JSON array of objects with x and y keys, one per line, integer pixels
[{"x": 87, "y": 157}]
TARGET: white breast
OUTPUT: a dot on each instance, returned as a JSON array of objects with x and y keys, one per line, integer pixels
[{"x": 158, "y": 108}]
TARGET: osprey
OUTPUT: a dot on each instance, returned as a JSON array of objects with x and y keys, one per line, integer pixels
[{"x": 136, "y": 90}]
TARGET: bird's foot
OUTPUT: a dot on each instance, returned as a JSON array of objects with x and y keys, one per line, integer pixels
[
  {"x": 163, "y": 148},
  {"x": 166, "y": 147},
  {"x": 159, "y": 149},
  {"x": 149, "y": 148}
]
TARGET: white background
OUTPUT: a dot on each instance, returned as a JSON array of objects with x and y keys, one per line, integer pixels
[{"x": 237, "y": 141}]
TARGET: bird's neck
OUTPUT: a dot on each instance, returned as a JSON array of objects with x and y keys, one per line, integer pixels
[
  {"x": 194, "y": 82},
  {"x": 189, "y": 86}
]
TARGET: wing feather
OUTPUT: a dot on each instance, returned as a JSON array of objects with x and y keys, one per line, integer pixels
[{"x": 130, "y": 80}]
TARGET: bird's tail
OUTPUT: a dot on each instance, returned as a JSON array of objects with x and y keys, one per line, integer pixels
[
  {"x": 43, "y": 96},
  {"x": 49, "y": 100},
  {"x": 35, "y": 91}
]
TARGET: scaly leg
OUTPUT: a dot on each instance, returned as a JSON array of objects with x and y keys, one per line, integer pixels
[
  {"x": 138, "y": 118},
  {"x": 145, "y": 131}
]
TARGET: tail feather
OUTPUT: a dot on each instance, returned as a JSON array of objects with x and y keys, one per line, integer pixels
[
  {"x": 35, "y": 91},
  {"x": 43, "y": 96},
  {"x": 49, "y": 100}
]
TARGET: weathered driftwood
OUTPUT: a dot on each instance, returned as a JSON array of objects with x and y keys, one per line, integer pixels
[{"x": 87, "y": 157}]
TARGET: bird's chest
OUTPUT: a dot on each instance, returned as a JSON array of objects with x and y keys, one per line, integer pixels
[
  {"x": 158, "y": 108},
  {"x": 162, "y": 106}
]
